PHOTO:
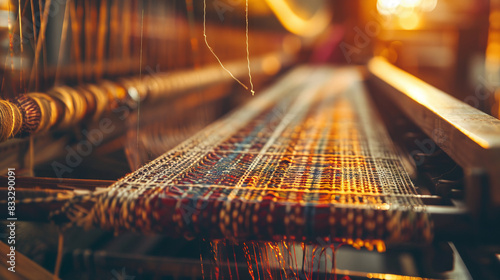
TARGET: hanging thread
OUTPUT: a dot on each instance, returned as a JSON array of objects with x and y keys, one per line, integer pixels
[
  {"x": 218, "y": 59},
  {"x": 248, "y": 48}
]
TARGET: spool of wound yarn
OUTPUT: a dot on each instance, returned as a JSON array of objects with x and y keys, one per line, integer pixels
[
  {"x": 31, "y": 113},
  {"x": 49, "y": 111},
  {"x": 72, "y": 106},
  {"x": 101, "y": 101},
  {"x": 11, "y": 120}
]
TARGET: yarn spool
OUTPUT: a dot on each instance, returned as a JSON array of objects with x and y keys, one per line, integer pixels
[
  {"x": 154, "y": 85},
  {"x": 31, "y": 113},
  {"x": 72, "y": 106},
  {"x": 101, "y": 101},
  {"x": 90, "y": 101},
  {"x": 11, "y": 120},
  {"x": 49, "y": 111},
  {"x": 136, "y": 89},
  {"x": 117, "y": 94}
]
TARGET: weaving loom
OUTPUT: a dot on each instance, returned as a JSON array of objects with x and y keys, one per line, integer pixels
[
  {"x": 301, "y": 153},
  {"x": 252, "y": 139}
]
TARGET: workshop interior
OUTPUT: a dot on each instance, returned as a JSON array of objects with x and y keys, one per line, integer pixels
[{"x": 250, "y": 139}]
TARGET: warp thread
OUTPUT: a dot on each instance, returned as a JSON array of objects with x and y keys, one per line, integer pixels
[
  {"x": 296, "y": 164},
  {"x": 64, "y": 107}
]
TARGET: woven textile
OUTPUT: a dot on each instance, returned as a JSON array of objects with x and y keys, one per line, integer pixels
[{"x": 307, "y": 158}]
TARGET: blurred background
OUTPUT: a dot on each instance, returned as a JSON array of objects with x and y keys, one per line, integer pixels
[
  {"x": 147, "y": 68},
  {"x": 451, "y": 44}
]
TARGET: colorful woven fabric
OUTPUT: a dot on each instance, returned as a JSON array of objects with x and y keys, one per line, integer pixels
[{"x": 307, "y": 158}]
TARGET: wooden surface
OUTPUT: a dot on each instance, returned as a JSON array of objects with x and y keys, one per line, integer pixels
[
  {"x": 469, "y": 136},
  {"x": 56, "y": 183},
  {"x": 37, "y": 197},
  {"x": 25, "y": 268}
]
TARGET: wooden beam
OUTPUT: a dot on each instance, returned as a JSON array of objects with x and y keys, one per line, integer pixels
[
  {"x": 56, "y": 183},
  {"x": 25, "y": 269},
  {"x": 470, "y": 137}
]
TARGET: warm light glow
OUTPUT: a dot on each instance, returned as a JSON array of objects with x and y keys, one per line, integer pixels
[
  {"x": 418, "y": 90},
  {"x": 295, "y": 23},
  {"x": 428, "y": 5},
  {"x": 4, "y": 4},
  {"x": 495, "y": 19},
  {"x": 259, "y": 8},
  {"x": 410, "y": 22},
  {"x": 410, "y": 3},
  {"x": 405, "y": 8},
  {"x": 271, "y": 65},
  {"x": 493, "y": 51},
  {"x": 387, "y": 7},
  {"x": 492, "y": 61}
]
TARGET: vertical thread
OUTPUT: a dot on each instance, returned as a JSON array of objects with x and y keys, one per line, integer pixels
[
  {"x": 62, "y": 44},
  {"x": 215, "y": 55},
  {"x": 60, "y": 245},
  {"x": 248, "y": 48},
  {"x": 21, "y": 74},
  {"x": 140, "y": 76}
]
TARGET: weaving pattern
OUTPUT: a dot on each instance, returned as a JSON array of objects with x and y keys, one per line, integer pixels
[{"x": 306, "y": 159}]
